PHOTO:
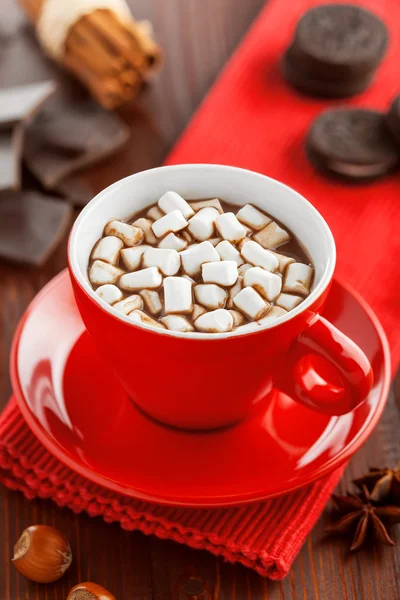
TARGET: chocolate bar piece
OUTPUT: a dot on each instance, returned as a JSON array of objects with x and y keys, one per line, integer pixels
[
  {"x": 21, "y": 102},
  {"x": 31, "y": 226},
  {"x": 60, "y": 142},
  {"x": 10, "y": 158},
  {"x": 75, "y": 190}
]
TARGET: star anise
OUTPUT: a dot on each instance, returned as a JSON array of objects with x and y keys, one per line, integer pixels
[
  {"x": 383, "y": 484},
  {"x": 360, "y": 515}
]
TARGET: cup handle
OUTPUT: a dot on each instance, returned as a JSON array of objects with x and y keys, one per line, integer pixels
[{"x": 326, "y": 371}]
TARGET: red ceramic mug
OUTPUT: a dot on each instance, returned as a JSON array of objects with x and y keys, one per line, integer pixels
[{"x": 205, "y": 381}]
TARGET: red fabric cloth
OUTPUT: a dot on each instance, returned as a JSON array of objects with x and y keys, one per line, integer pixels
[{"x": 252, "y": 119}]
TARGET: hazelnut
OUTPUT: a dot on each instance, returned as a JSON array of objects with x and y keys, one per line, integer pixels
[
  {"x": 42, "y": 554},
  {"x": 89, "y": 591}
]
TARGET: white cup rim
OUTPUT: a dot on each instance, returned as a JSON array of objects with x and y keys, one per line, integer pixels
[{"x": 86, "y": 287}]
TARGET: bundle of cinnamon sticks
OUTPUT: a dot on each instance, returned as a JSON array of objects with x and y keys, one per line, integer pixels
[{"x": 111, "y": 56}]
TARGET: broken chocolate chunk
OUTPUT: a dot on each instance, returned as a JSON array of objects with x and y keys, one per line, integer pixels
[
  {"x": 10, "y": 158},
  {"x": 20, "y": 103}
]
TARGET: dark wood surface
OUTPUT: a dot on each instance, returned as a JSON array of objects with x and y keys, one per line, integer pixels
[{"x": 198, "y": 36}]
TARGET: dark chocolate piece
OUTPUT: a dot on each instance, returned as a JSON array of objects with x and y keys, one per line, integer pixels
[
  {"x": 75, "y": 190},
  {"x": 31, "y": 225},
  {"x": 21, "y": 102},
  {"x": 10, "y": 158},
  {"x": 352, "y": 143},
  {"x": 60, "y": 142},
  {"x": 393, "y": 118}
]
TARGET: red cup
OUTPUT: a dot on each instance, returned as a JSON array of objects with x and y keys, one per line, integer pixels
[{"x": 205, "y": 381}]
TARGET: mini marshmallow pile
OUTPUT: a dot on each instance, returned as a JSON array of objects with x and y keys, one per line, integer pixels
[{"x": 193, "y": 267}]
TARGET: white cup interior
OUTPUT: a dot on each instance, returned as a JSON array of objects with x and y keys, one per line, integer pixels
[{"x": 237, "y": 186}]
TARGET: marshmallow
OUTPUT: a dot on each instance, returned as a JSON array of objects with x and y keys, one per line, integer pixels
[
  {"x": 234, "y": 290},
  {"x": 101, "y": 272},
  {"x": 198, "y": 311},
  {"x": 171, "y": 201},
  {"x": 272, "y": 236},
  {"x": 173, "y": 242},
  {"x": 238, "y": 318},
  {"x": 154, "y": 213},
  {"x": 298, "y": 279},
  {"x": 145, "y": 226},
  {"x": 275, "y": 313},
  {"x": 129, "y": 304},
  {"x": 253, "y": 218},
  {"x": 188, "y": 278},
  {"x": 213, "y": 203},
  {"x": 109, "y": 293},
  {"x": 217, "y": 321},
  {"x": 229, "y": 252},
  {"x": 210, "y": 295},
  {"x": 129, "y": 234},
  {"x": 195, "y": 256},
  {"x": 249, "y": 302},
  {"x": 186, "y": 236},
  {"x": 243, "y": 242},
  {"x": 201, "y": 226},
  {"x": 172, "y": 222},
  {"x": 244, "y": 268},
  {"x": 107, "y": 249},
  {"x": 132, "y": 257},
  {"x": 138, "y": 316},
  {"x": 287, "y": 301},
  {"x": 256, "y": 255},
  {"x": 152, "y": 301},
  {"x": 230, "y": 228},
  {"x": 168, "y": 261},
  {"x": 215, "y": 241},
  {"x": 139, "y": 280},
  {"x": 267, "y": 284},
  {"x": 247, "y": 328},
  {"x": 177, "y": 295},
  {"x": 177, "y": 323},
  {"x": 283, "y": 260},
  {"x": 221, "y": 273}
]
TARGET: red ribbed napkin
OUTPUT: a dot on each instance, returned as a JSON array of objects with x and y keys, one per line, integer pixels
[{"x": 252, "y": 119}]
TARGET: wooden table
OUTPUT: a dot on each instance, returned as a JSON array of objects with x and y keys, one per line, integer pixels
[{"x": 198, "y": 37}]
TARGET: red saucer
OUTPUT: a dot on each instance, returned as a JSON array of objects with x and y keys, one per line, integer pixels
[{"x": 74, "y": 405}]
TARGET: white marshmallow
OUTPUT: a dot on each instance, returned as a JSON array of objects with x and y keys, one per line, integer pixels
[
  {"x": 229, "y": 252},
  {"x": 272, "y": 315},
  {"x": 221, "y": 273},
  {"x": 172, "y": 222},
  {"x": 229, "y": 227},
  {"x": 217, "y": 321},
  {"x": 249, "y": 302},
  {"x": 168, "y": 261},
  {"x": 173, "y": 242},
  {"x": 287, "y": 301},
  {"x": 244, "y": 268},
  {"x": 252, "y": 217},
  {"x": 215, "y": 241},
  {"x": 272, "y": 236},
  {"x": 177, "y": 323},
  {"x": 234, "y": 290},
  {"x": 145, "y": 226},
  {"x": 171, "y": 201},
  {"x": 283, "y": 260},
  {"x": 109, "y": 293},
  {"x": 243, "y": 242},
  {"x": 238, "y": 318},
  {"x": 298, "y": 279},
  {"x": 188, "y": 278},
  {"x": 256, "y": 255},
  {"x": 201, "y": 226},
  {"x": 210, "y": 295},
  {"x": 186, "y": 236},
  {"x": 197, "y": 311},
  {"x": 213, "y": 203},
  {"x": 138, "y": 316},
  {"x": 129, "y": 304},
  {"x": 152, "y": 301},
  {"x": 248, "y": 327},
  {"x": 101, "y": 272},
  {"x": 154, "y": 213},
  {"x": 195, "y": 256},
  {"x": 267, "y": 284},
  {"x": 150, "y": 278},
  {"x": 129, "y": 234},
  {"x": 132, "y": 257},
  {"x": 107, "y": 249},
  {"x": 177, "y": 295}
]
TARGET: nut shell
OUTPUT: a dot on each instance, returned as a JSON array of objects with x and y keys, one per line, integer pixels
[{"x": 89, "y": 591}]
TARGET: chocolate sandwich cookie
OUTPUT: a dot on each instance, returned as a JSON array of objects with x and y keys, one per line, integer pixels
[
  {"x": 393, "y": 118},
  {"x": 352, "y": 143}
]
